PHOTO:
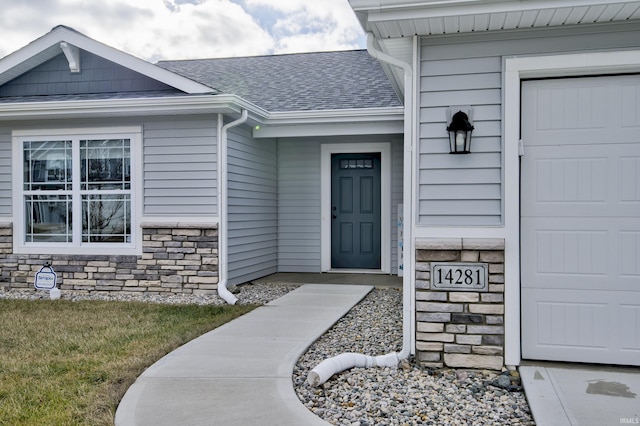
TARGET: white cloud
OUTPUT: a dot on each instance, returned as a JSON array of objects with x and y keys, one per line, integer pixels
[
  {"x": 313, "y": 25},
  {"x": 180, "y": 29}
]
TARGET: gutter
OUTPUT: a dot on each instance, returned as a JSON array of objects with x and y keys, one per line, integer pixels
[
  {"x": 327, "y": 368},
  {"x": 223, "y": 229},
  {"x": 335, "y": 115},
  {"x": 163, "y": 105}
]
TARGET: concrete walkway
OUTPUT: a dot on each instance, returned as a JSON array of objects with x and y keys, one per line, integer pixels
[
  {"x": 375, "y": 280},
  {"x": 240, "y": 373},
  {"x": 568, "y": 395}
]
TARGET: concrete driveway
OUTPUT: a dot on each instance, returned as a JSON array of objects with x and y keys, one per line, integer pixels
[{"x": 565, "y": 394}]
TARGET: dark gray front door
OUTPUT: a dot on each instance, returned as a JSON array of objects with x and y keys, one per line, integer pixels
[{"x": 355, "y": 211}]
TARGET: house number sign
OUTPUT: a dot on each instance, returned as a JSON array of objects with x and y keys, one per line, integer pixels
[{"x": 459, "y": 276}]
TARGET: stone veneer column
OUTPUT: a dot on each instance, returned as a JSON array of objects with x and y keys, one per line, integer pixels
[
  {"x": 463, "y": 329},
  {"x": 176, "y": 258}
]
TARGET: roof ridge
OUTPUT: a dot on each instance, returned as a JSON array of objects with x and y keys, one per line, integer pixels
[{"x": 262, "y": 56}]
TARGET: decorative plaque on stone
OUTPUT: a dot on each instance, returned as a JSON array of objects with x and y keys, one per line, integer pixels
[{"x": 453, "y": 276}]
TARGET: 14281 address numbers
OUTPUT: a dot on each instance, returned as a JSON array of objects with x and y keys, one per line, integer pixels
[{"x": 459, "y": 276}]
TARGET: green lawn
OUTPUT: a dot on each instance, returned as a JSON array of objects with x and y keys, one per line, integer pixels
[{"x": 70, "y": 363}]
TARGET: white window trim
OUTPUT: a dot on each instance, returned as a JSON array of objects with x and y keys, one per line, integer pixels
[
  {"x": 134, "y": 133},
  {"x": 516, "y": 69},
  {"x": 325, "y": 201}
]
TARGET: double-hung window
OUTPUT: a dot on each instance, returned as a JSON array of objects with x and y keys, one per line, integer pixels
[{"x": 76, "y": 190}]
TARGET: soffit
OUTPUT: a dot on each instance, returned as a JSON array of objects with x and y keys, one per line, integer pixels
[{"x": 404, "y": 18}]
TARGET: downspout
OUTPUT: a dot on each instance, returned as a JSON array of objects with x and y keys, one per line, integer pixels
[
  {"x": 223, "y": 199},
  {"x": 327, "y": 368}
]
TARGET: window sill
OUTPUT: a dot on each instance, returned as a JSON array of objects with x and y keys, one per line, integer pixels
[{"x": 54, "y": 250}]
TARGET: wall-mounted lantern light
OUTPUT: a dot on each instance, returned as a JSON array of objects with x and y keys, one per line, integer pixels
[{"x": 460, "y": 129}]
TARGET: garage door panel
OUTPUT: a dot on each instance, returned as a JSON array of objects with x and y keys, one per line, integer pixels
[
  {"x": 582, "y": 183},
  {"x": 559, "y": 255},
  {"x": 584, "y": 108},
  {"x": 630, "y": 328},
  {"x": 581, "y": 253},
  {"x": 630, "y": 255},
  {"x": 630, "y": 180},
  {"x": 630, "y": 115},
  {"x": 563, "y": 107},
  {"x": 580, "y": 220},
  {"x": 583, "y": 137},
  {"x": 571, "y": 180},
  {"x": 560, "y": 327}
]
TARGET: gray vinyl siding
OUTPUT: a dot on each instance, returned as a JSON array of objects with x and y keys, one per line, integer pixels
[
  {"x": 180, "y": 167},
  {"x": 5, "y": 173},
  {"x": 179, "y": 155},
  {"x": 299, "y": 205},
  {"x": 98, "y": 76},
  {"x": 299, "y": 198},
  {"x": 397, "y": 172},
  {"x": 467, "y": 190},
  {"x": 252, "y": 206}
]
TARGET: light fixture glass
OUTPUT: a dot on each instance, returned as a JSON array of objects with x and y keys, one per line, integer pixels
[{"x": 460, "y": 130}]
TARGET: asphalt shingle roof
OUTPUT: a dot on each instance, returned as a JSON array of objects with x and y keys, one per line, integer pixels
[
  {"x": 296, "y": 82},
  {"x": 90, "y": 96}
]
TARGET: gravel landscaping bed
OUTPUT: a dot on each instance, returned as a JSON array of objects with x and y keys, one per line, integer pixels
[
  {"x": 408, "y": 395},
  {"x": 247, "y": 294}
]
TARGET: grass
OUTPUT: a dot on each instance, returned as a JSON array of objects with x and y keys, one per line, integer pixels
[{"x": 70, "y": 363}]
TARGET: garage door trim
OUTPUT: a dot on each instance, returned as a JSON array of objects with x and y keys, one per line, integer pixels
[{"x": 516, "y": 69}]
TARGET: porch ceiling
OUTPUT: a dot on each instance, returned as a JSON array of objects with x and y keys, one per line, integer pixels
[{"x": 405, "y": 18}]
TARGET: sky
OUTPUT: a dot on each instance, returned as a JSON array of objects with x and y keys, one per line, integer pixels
[{"x": 185, "y": 29}]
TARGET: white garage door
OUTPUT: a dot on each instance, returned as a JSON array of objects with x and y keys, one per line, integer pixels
[{"x": 580, "y": 228}]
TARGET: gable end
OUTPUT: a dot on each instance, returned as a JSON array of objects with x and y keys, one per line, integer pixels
[{"x": 97, "y": 76}]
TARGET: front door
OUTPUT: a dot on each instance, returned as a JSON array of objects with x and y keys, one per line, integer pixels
[{"x": 355, "y": 211}]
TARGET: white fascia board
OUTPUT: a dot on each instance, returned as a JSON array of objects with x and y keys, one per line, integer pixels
[
  {"x": 392, "y": 10},
  {"x": 336, "y": 115},
  {"x": 572, "y": 64},
  {"x": 403, "y": 4},
  {"x": 329, "y": 129},
  {"x": 332, "y": 122},
  {"x": 32, "y": 55},
  {"x": 176, "y": 105},
  {"x": 48, "y": 46}
]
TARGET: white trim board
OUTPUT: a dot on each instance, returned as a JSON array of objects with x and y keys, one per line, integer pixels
[
  {"x": 516, "y": 69},
  {"x": 134, "y": 133},
  {"x": 326, "y": 151},
  {"x": 48, "y": 46}
]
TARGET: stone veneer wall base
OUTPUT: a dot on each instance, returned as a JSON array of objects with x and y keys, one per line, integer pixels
[
  {"x": 460, "y": 329},
  {"x": 176, "y": 258}
]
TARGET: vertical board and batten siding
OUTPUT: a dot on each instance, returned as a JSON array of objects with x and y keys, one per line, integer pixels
[
  {"x": 467, "y": 190},
  {"x": 180, "y": 167},
  {"x": 252, "y": 206},
  {"x": 299, "y": 198}
]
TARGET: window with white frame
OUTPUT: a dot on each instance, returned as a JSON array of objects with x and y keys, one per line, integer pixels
[{"x": 76, "y": 190}]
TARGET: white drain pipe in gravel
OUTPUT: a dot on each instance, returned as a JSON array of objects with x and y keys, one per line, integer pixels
[
  {"x": 327, "y": 368},
  {"x": 223, "y": 232}
]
